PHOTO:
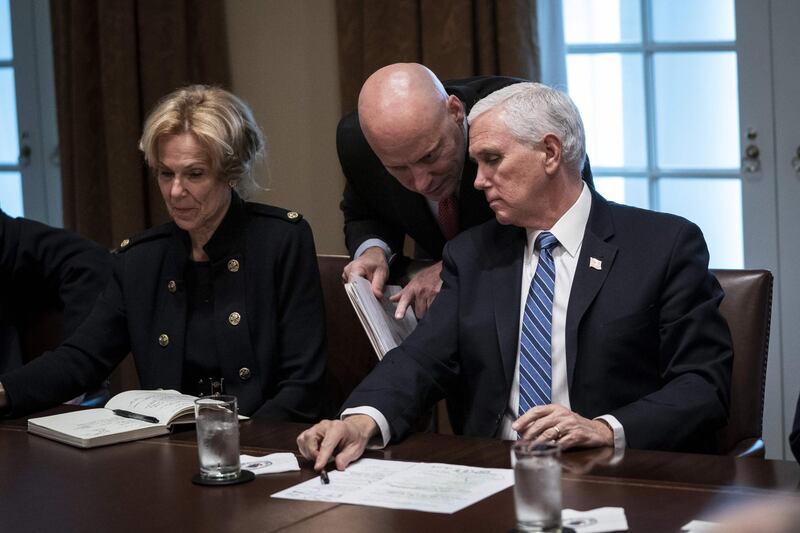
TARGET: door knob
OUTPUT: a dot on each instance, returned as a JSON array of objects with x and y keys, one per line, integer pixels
[
  {"x": 24, "y": 158},
  {"x": 751, "y": 162}
]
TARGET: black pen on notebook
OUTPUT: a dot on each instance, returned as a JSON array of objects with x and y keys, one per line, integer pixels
[{"x": 136, "y": 416}]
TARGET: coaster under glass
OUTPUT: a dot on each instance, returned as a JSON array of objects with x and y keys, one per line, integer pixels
[{"x": 243, "y": 477}]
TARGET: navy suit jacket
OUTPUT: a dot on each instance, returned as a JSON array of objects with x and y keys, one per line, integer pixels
[{"x": 645, "y": 341}]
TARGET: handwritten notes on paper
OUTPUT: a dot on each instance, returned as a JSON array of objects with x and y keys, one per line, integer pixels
[{"x": 431, "y": 487}]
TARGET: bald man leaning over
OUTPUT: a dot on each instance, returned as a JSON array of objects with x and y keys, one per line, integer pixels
[{"x": 404, "y": 154}]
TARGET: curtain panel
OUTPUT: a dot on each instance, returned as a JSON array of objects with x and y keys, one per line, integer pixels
[
  {"x": 114, "y": 59},
  {"x": 454, "y": 38}
]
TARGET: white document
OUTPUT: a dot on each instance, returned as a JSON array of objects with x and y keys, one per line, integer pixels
[
  {"x": 700, "y": 526},
  {"x": 377, "y": 316},
  {"x": 431, "y": 487}
]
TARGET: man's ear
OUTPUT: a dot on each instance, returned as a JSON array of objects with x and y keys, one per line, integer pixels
[
  {"x": 552, "y": 151},
  {"x": 455, "y": 108}
]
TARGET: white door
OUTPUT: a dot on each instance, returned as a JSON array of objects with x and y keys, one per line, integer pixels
[{"x": 769, "y": 85}]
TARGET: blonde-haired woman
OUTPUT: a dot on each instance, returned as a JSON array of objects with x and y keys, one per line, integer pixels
[{"x": 225, "y": 298}]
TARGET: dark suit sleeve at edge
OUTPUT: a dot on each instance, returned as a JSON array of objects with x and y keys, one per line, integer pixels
[
  {"x": 794, "y": 438},
  {"x": 695, "y": 361},
  {"x": 82, "y": 362}
]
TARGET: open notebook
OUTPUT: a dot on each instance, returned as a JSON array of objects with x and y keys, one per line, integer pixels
[{"x": 97, "y": 427}]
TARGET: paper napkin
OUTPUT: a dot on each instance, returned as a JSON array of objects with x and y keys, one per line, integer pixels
[
  {"x": 270, "y": 464},
  {"x": 598, "y": 520}
]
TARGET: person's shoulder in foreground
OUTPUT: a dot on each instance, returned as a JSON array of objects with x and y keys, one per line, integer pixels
[{"x": 43, "y": 267}]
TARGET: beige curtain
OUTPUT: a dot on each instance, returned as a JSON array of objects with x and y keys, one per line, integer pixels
[
  {"x": 113, "y": 60},
  {"x": 454, "y": 38}
]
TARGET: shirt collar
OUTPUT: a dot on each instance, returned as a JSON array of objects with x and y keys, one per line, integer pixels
[{"x": 568, "y": 229}]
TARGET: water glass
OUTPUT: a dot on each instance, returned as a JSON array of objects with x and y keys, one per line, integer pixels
[
  {"x": 217, "y": 437},
  {"x": 537, "y": 486}
]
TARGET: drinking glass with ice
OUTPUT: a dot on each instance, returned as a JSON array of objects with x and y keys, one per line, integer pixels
[
  {"x": 217, "y": 437},
  {"x": 537, "y": 486}
]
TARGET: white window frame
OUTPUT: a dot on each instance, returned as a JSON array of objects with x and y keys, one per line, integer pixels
[
  {"x": 647, "y": 48},
  {"x": 36, "y": 111}
]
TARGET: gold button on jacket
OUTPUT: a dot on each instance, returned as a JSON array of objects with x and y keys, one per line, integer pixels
[
  {"x": 233, "y": 265},
  {"x": 234, "y": 318},
  {"x": 244, "y": 373},
  {"x": 172, "y": 286},
  {"x": 163, "y": 339}
]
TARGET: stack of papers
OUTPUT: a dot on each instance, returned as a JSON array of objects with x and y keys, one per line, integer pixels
[
  {"x": 431, "y": 487},
  {"x": 377, "y": 316}
]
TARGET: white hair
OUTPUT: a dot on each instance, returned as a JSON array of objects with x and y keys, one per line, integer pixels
[{"x": 532, "y": 110}]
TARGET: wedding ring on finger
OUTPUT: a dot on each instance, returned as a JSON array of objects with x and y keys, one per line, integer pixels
[{"x": 558, "y": 433}]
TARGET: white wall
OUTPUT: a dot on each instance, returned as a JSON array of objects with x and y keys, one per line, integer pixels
[{"x": 284, "y": 64}]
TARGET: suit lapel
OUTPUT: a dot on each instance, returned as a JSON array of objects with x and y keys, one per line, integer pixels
[
  {"x": 595, "y": 262},
  {"x": 506, "y": 274}
]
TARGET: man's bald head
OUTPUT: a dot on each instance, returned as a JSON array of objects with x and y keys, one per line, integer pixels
[
  {"x": 414, "y": 127},
  {"x": 400, "y": 99}
]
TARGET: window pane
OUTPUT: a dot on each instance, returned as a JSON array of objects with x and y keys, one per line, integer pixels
[
  {"x": 9, "y": 137},
  {"x": 11, "y": 193},
  {"x": 628, "y": 191},
  {"x": 602, "y": 21},
  {"x": 609, "y": 92},
  {"x": 697, "y": 112},
  {"x": 693, "y": 20},
  {"x": 5, "y": 31},
  {"x": 716, "y": 206}
]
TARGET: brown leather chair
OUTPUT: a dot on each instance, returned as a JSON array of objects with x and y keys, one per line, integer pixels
[
  {"x": 350, "y": 354},
  {"x": 747, "y": 307}
]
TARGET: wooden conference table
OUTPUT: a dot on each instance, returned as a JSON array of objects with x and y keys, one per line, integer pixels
[{"x": 145, "y": 486}]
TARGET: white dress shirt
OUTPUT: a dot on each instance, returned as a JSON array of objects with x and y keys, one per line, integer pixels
[{"x": 569, "y": 230}]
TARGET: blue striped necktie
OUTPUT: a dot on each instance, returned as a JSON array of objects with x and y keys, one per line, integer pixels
[{"x": 535, "y": 371}]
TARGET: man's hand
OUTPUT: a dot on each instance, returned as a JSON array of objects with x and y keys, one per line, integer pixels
[
  {"x": 371, "y": 265},
  {"x": 421, "y": 291},
  {"x": 569, "y": 429},
  {"x": 346, "y": 438}
]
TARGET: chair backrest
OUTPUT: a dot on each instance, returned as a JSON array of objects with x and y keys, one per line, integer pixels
[
  {"x": 350, "y": 354},
  {"x": 747, "y": 307}
]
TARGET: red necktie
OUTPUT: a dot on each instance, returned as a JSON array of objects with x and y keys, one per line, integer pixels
[{"x": 448, "y": 217}]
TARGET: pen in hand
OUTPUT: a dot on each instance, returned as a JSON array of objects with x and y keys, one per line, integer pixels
[
  {"x": 136, "y": 416},
  {"x": 323, "y": 474}
]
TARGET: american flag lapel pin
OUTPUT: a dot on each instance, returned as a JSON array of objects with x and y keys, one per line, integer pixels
[{"x": 595, "y": 263}]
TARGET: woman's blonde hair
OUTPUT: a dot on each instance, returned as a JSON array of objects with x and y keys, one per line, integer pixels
[{"x": 221, "y": 121}]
